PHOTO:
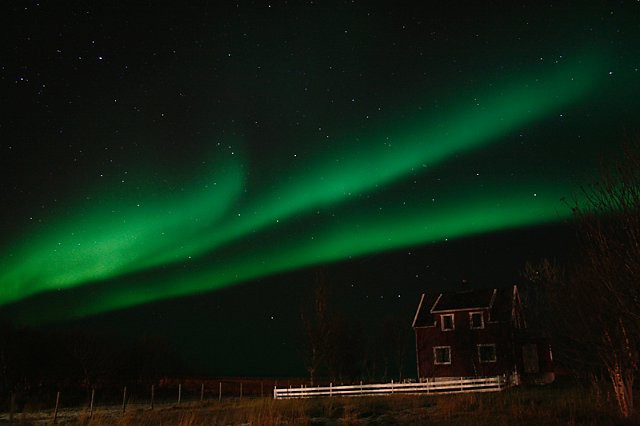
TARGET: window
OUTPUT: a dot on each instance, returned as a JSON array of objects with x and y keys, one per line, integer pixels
[
  {"x": 447, "y": 322},
  {"x": 442, "y": 355},
  {"x": 487, "y": 353},
  {"x": 476, "y": 320}
]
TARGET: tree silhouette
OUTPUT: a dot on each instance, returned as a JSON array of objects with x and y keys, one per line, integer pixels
[
  {"x": 315, "y": 320},
  {"x": 593, "y": 310}
]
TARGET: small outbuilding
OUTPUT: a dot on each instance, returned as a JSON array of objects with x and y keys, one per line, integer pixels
[{"x": 478, "y": 333}]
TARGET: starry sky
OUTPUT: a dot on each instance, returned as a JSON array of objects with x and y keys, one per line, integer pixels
[{"x": 188, "y": 169}]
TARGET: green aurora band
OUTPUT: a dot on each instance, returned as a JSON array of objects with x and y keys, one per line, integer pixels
[
  {"x": 192, "y": 236},
  {"x": 98, "y": 245}
]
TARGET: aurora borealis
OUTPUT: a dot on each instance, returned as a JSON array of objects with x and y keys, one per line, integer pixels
[
  {"x": 135, "y": 235},
  {"x": 189, "y": 149}
]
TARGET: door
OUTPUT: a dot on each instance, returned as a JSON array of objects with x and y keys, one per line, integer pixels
[{"x": 530, "y": 358}]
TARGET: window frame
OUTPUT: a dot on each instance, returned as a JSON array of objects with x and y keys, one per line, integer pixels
[
  {"x": 495, "y": 353},
  {"x": 435, "y": 357},
  {"x": 453, "y": 322},
  {"x": 471, "y": 314}
]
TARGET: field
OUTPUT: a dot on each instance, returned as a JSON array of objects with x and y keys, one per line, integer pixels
[{"x": 554, "y": 404}]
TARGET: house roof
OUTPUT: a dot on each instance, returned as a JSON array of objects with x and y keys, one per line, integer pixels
[
  {"x": 423, "y": 315},
  {"x": 499, "y": 302},
  {"x": 465, "y": 299}
]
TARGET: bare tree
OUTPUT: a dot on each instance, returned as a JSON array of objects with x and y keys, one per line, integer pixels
[
  {"x": 594, "y": 309},
  {"x": 345, "y": 355},
  {"x": 566, "y": 309},
  {"x": 609, "y": 232},
  {"x": 396, "y": 335},
  {"x": 315, "y": 320}
]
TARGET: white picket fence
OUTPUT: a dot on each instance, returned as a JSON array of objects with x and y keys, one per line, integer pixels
[{"x": 437, "y": 386}]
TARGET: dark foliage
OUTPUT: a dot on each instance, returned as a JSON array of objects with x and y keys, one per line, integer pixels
[
  {"x": 592, "y": 309},
  {"x": 35, "y": 364}
]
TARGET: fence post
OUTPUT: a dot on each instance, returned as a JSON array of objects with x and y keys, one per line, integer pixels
[
  {"x": 179, "y": 393},
  {"x": 124, "y": 400},
  {"x": 153, "y": 395},
  {"x": 201, "y": 392},
  {"x": 220, "y": 392},
  {"x": 330, "y": 389},
  {"x": 461, "y": 384},
  {"x": 391, "y": 385},
  {"x": 12, "y": 407},
  {"x": 55, "y": 410},
  {"x": 93, "y": 394},
  {"x": 360, "y": 386}
]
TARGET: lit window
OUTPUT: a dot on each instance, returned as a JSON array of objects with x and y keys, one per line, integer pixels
[
  {"x": 442, "y": 355},
  {"x": 447, "y": 322},
  {"x": 487, "y": 353},
  {"x": 476, "y": 320}
]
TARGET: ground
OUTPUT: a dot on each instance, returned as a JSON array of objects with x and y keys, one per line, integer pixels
[{"x": 555, "y": 404}]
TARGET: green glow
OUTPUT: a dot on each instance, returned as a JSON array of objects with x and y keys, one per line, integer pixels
[
  {"x": 357, "y": 234},
  {"x": 123, "y": 236},
  {"x": 425, "y": 141}
]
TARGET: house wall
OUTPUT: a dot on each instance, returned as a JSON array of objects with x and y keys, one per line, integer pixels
[{"x": 464, "y": 353}]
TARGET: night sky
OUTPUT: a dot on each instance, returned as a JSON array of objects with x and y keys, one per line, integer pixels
[{"x": 189, "y": 170}]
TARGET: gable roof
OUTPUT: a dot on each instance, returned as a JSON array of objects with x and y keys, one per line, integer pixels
[
  {"x": 464, "y": 300},
  {"x": 423, "y": 315},
  {"x": 499, "y": 302}
]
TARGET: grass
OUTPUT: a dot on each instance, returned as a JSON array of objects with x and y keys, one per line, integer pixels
[{"x": 568, "y": 405}]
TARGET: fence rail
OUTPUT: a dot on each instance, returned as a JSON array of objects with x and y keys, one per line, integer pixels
[{"x": 440, "y": 386}]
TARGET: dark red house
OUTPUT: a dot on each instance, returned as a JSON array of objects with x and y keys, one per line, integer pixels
[{"x": 478, "y": 333}]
